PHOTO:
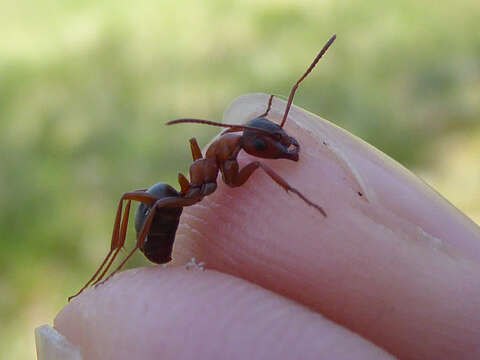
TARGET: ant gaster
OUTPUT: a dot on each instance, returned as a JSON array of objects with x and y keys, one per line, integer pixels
[{"x": 158, "y": 215}]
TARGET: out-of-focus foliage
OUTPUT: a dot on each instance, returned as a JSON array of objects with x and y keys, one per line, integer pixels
[{"x": 86, "y": 86}]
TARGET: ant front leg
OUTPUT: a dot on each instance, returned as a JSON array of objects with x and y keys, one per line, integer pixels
[
  {"x": 238, "y": 178},
  {"x": 236, "y": 129},
  {"x": 269, "y": 106}
]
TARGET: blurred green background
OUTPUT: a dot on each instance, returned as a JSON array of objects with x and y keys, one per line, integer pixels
[{"x": 86, "y": 86}]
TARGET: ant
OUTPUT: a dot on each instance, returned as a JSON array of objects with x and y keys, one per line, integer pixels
[{"x": 158, "y": 214}]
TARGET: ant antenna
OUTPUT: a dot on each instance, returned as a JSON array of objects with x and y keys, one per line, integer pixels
[
  {"x": 310, "y": 68},
  {"x": 232, "y": 127}
]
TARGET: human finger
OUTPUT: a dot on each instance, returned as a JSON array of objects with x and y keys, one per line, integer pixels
[
  {"x": 391, "y": 261},
  {"x": 173, "y": 313}
]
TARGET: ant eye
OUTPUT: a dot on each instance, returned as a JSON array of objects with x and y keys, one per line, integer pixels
[{"x": 259, "y": 145}]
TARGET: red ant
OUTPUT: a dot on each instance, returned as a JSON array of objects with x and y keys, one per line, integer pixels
[{"x": 158, "y": 215}]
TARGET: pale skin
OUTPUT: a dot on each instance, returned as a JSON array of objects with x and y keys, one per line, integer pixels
[{"x": 395, "y": 268}]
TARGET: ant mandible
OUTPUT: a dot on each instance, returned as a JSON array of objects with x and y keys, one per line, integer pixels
[{"x": 158, "y": 215}]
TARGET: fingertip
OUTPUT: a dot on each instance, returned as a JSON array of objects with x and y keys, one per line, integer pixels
[
  {"x": 331, "y": 156},
  {"x": 383, "y": 223},
  {"x": 153, "y": 313}
]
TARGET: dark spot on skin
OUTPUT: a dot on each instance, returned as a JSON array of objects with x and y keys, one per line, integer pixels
[{"x": 359, "y": 193}]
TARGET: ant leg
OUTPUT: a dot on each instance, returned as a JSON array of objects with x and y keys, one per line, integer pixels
[
  {"x": 269, "y": 106},
  {"x": 196, "y": 152},
  {"x": 140, "y": 240},
  {"x": 119, "y": 231},
  {"x": 134, "y": 196},
  {"x": 242, "y": 176},
  {"x": 120, "y": 242},
  {"x": 165, "y": 202},
  {"x": 113, "y": 246},
  {"x": 310, "y": 68}
]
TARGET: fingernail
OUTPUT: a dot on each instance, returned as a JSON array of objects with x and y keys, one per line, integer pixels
[{"x": 51, "y": 345}]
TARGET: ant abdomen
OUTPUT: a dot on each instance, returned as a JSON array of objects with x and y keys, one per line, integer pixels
[{"x": 158, "y": 245}]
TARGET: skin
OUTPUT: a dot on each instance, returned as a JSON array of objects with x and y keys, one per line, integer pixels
[{"x": 394, "y": 268}]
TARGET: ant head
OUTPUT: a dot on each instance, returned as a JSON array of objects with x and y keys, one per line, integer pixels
[
  {"x": 261, "y": 137},
  {"x": 265, "y": 139}
]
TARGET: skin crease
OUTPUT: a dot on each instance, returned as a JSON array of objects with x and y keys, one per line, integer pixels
[{"x": 396, "y": 264}]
